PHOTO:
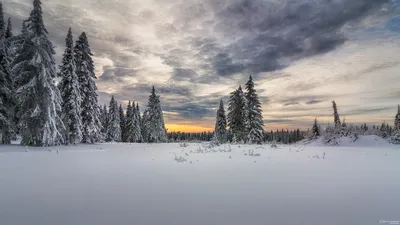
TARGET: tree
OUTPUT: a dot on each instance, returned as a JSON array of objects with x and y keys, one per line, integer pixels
[
  {"x": 122, "y": 122},
  {"x": 336, "y": 115},
  {"x": 9, "y": 33},
  {"x": 91, "y": 128},
  {"x": 397, "y": 119},
  {"x": 114, "y": 127},
  {"x": 38, "y": 98},
  {"x": 7, "y": 127},
  {"x": 70, "y": 93},
  {"x": 316, "y": 130},
  {"x": 137, "y": 124},
  {"x": 154, "y": 120},
  {"x": 237, "y": 115},
  {"x": 220, "y": 124},
  {"x": 255, "y": 123},
  {"x": 104, "y": 121},
  {"x": 129, "y": 122},
  {"x": 133, "y": 124}
]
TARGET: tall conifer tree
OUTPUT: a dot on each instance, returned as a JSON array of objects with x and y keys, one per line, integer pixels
[
  {"x": 220, "y": 124},
  {"x": 237, "y": 115},
  {"x": 91, "y": 129},
  {"x": 7, "y": 127},
  {"x": 39, "y": 100},
  {"x": 114, "y": 126},
  {"x": 154, "y": 120},
  {"x": 254, "y": 119},
  {"x": 70, "y": 93}
]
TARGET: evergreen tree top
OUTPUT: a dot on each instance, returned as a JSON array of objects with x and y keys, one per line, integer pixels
[
  {"x": 250, "y": 83},
  {"x": 221, "y": 105},
  {"x": 69, "y": 39},
  {"x": 8, "y": 33},
  {"x": 24, "y": 29},
  {"x": 35, "y": 20},
  {"x": 2, "y": 24}
]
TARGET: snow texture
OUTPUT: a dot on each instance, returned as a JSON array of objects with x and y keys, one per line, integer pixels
[{"x": 162, "y": 184}]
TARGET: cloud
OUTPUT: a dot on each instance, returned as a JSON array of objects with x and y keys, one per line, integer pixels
[
  {"x": 312, "y": 102},
  {"x": 197, "y": 51},
  {"x": 291, "y": 103},
  {"x": 361, "y": 111}
]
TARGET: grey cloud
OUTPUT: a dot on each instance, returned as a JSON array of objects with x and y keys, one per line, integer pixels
[
  {"x": 181, "y": 74},
  {"x": 291, "y": 103},
  {"x": 190, "y": 111},
  {"x": 116, "y": 74},
  {"x": 276, "y": 121},
  {"x": 361, "y": 111},
  {"x": 312, "y": 102},
  {"x": 275, "y": 30}
]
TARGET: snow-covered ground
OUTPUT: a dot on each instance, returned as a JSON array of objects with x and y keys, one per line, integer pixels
[{"x": 166, "y": 184}]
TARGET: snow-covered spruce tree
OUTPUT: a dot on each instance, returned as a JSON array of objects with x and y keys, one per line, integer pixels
[
  {"x": 237, "y": 115},
  {"x": 129, "y": 122},
  {"x": 114, "y": 127},
  {"x": 137, "y": 127},
  {"x": 145, "y": 133},
  {"x": 220, "y": 124},
  {"x": 8, "y": 33},
  {"x": 7, "y": 127},
  {"x": 395, "y": 139},
  {"x": 91, "y": 125},
  {"x": 133, "y": 124},
  {"x": 122, "y": 123},
  {"x": 336, "y": 115},
  {"x": 316, "y": 130},
  {"x": 254, "y": 121},
  {"x": 38, "y": 98},
  {"x": 70, "y": 93},
  {"x": 154, "y": 120},
  {"x": 397, "y": 119},
  {"x": 104, "y": 122}
]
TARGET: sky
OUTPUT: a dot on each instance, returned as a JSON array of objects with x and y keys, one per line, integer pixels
[{"x": 302, "y": 54}]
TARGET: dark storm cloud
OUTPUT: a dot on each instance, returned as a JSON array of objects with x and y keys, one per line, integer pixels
[{"x": 273, "y": 31}]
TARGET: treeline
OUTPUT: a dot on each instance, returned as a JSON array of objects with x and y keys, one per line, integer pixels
[
  {"x": 338, "y": 129},
  {"x": 189, "y": 136},
  {"x": 278, "y": 136}
]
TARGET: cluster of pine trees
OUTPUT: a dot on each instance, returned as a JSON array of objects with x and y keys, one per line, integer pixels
[
  {"x": 31, "y": 103},
  {"x": 244, "y": 119},
  {"x": 120, "y": 125},
  {"x": 44, "y": 113}
]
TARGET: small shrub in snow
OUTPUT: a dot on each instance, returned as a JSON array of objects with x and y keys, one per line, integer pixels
[
  {"x": 180, "y": 159},
  {"x": 251, "y": 153},
  {"x": 183, "y": 145}
]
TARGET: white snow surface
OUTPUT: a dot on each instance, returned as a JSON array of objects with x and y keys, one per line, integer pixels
[{"x": 151, "y": 184}]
